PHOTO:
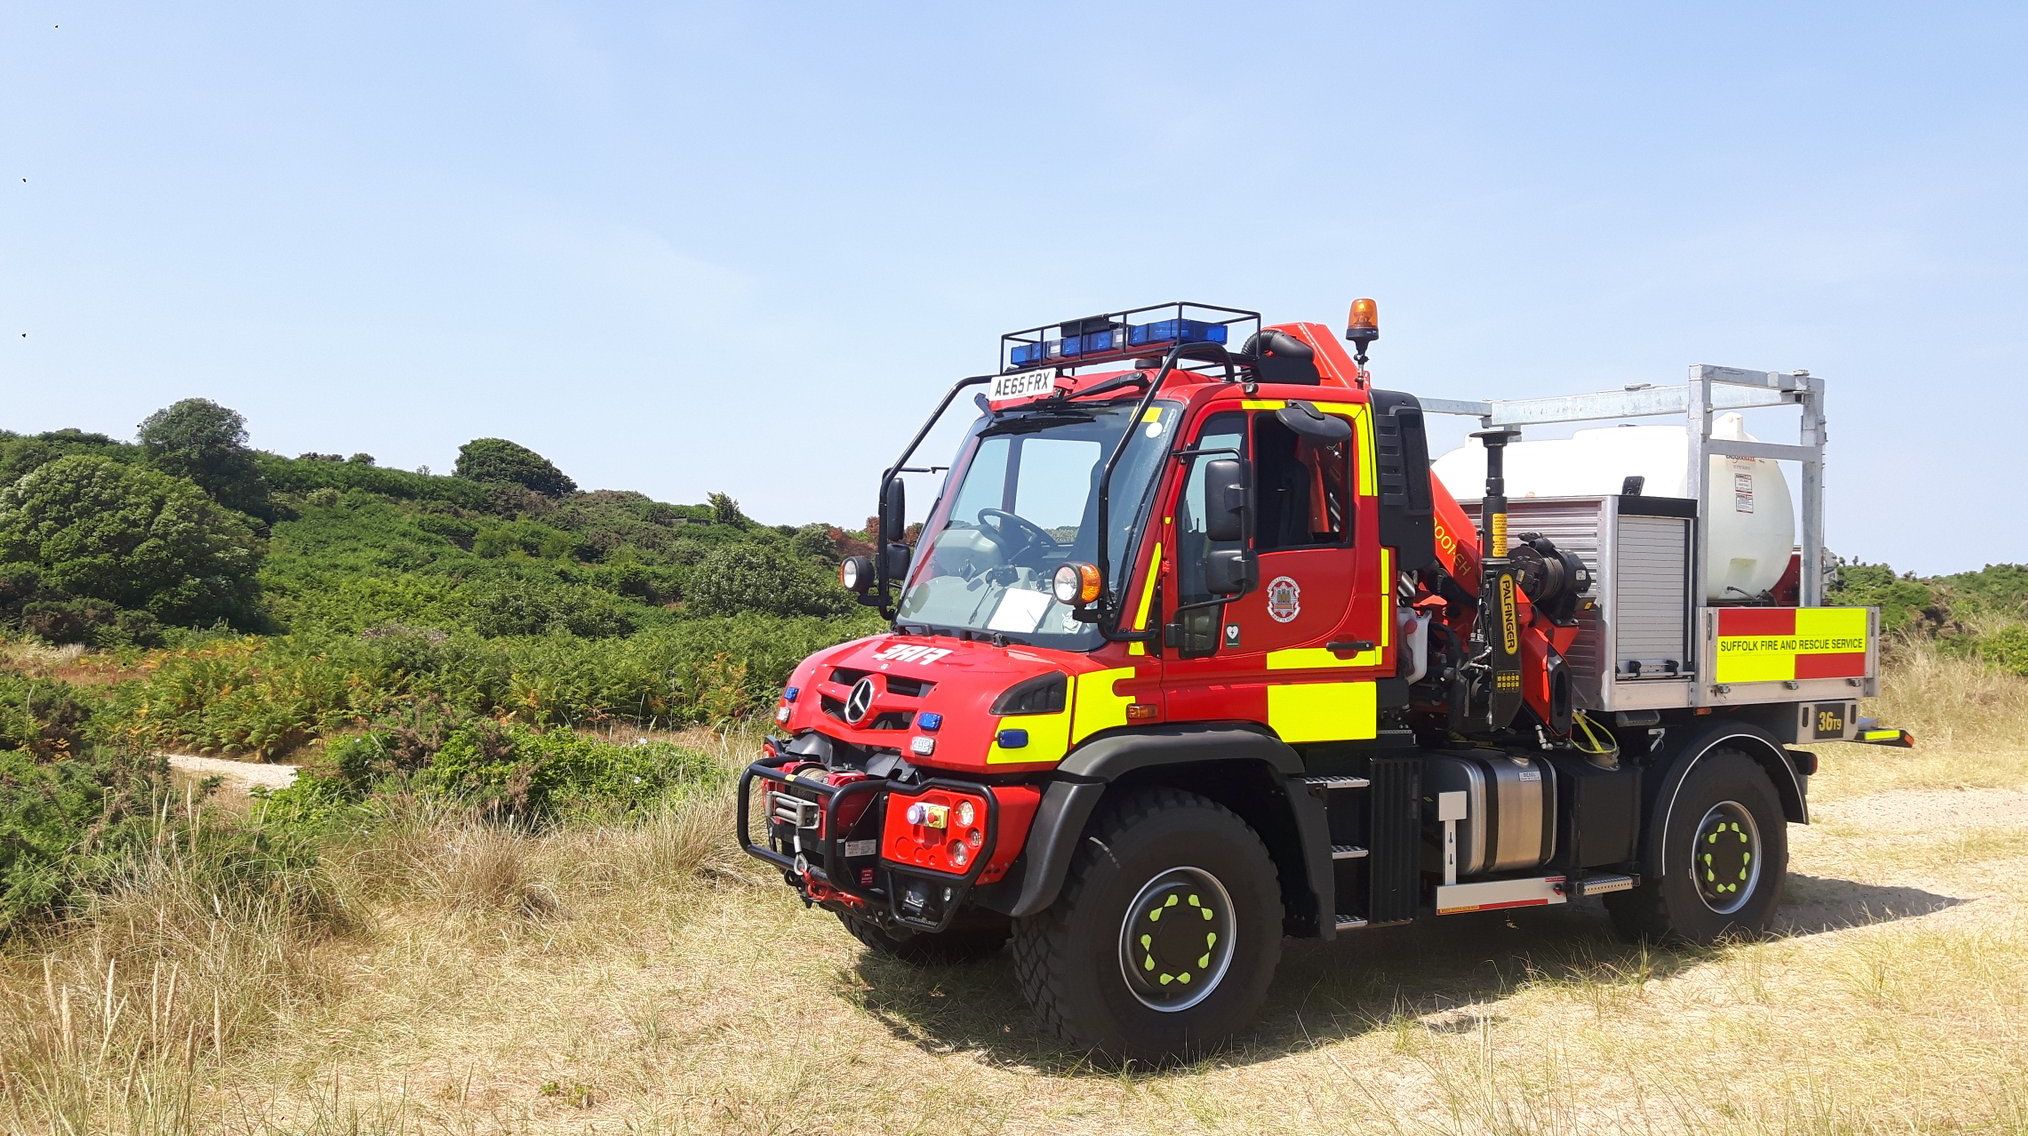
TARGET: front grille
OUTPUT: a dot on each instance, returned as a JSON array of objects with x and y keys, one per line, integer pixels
[
  {"x": 898, "y": 686},
  {"x": 902, "y": 685}
]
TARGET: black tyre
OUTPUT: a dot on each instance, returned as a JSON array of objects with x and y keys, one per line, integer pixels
[
  {"x": 1165, "y": 936},
  {"x": 972, "y": 937},
  {"x": 1726, "y": 851}
]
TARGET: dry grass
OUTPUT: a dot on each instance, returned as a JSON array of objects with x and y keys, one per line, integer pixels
[
  {"x": 1970, "y": 724},
  {"x": 453, "y": 977},
  {"x": 70, "y": 662}
]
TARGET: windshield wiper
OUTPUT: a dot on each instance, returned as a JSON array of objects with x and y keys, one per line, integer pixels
[
  {"x": 1030, "y": 423},
  {"x": 1132, "y": 379}
]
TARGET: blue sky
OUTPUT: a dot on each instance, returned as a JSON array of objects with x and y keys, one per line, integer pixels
[{"x": 744, "y": 247}]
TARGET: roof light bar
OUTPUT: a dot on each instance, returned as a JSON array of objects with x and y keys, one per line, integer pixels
[{"x": 1121, "y": 335}]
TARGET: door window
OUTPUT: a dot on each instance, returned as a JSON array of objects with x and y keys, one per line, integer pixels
[
  {"x": 1223, "y": 436},
  {"x": 1302, "y": 490}
]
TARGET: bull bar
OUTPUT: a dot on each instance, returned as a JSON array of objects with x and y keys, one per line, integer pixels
[{"x": 827, "y": 838}]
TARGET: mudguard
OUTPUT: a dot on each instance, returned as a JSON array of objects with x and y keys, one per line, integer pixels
[
  {"x": 1681, "y": 754},
  {"x": 1080, "y": 782}
]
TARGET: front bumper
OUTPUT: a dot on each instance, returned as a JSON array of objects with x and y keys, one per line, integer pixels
[{"x": 826, "y": 839}]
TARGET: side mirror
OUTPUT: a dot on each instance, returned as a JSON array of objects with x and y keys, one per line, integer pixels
[
  {"x": 1311, "y": 424},
  {"x": 1230, "y": 572},
  {"x": 1195, "y": 632},
  {"x": 897, "y": 555},
  {"x": 1228, "y": 487},
  {"x": 893, "y": 510}
]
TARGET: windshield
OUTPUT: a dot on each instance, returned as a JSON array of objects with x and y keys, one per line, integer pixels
[{"x": 1023, "y": 500}]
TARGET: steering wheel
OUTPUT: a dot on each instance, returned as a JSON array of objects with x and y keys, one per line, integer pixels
[{"x": 1006, "y": 524}]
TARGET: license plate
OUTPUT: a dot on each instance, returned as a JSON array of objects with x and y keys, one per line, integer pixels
[{"x": 1021, "y": 384}]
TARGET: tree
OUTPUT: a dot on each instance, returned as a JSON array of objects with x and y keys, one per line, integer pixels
[
  {"x": 132, "y": 536},
  {"x": 499, "y": 460},
  {"x": 205, "y": 442},
  {"x": 725, "y": 510}
]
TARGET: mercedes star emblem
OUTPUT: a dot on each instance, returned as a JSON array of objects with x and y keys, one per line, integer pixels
[{"x": 859, "y": 703}]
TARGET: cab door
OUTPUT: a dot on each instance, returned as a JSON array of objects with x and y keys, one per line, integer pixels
[{"x": 1301, "y": 652}]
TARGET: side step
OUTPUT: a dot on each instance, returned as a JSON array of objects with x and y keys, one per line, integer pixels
[
  {"x": 1350, "y": 922},
  {"x": 1600, "y": 885},
  {"x": 1347, "y": 852},
  {"x": 1335, "y": 781}
]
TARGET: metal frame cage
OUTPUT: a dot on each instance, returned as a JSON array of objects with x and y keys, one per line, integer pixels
[
  {"x": 1131, "y": 333},
  {"x": 1709, "y": 390},
  {"x": 1593, "y": 527}
]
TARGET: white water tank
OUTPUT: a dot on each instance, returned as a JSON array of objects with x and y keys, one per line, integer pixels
[{"x": 1751, "y": 529}]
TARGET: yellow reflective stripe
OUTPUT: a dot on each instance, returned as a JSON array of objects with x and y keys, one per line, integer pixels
[
  {"x": 1772, "y": 666},
  {"x": 1095, "y": 704},
  {"x": 1830, "y": 629},
  {"x": 1369, "y": 470},
  {"x": 1362, "y": 422},
  {"x": 1302, "y": 712},
  {"x": 1147, "y": 598},
  {"x": 1048, "y": 738},
  {"x": 1879, "y": 735},
  {"x": 1319, "y": 658},
  {"x": 1386, "y": 596}
]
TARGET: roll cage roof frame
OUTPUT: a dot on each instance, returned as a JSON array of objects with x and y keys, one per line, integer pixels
[{"x": 1196, "y": 356}]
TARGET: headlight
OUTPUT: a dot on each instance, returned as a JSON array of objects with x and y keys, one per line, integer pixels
[
  {"x": 856, "y": 573},
  {"x": 1043, "y": 694}
]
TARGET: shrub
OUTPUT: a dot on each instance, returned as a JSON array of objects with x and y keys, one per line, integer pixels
[
  {"x": 301, "y": 476},
  {"x": 41, "y": 718},
  {"x": 68, "y": 620},
  {"x": 1903, "y": 601},
  {"x": 2006, "y": 648},
  {"x": 510, "y": 770},
  {"x": 745, "y": 578},
  {"x": 99, "y": 529},
  {"x": 497, "y": 459},
  {"x": 68, "y": 810}
]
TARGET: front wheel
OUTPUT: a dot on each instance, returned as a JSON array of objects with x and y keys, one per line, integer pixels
[
  {"x": 1726, "y": 851},
  {"x": 1165, "y": 936}
]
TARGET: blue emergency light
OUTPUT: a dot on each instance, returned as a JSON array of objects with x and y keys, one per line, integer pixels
[
  {"x": 1160, "y": 333},
  {"x": 1034, "y": 354},
  {"x": 1175, "y": 331}
]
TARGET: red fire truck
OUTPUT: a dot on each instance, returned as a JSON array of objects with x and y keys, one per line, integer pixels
[{"x": 1194, "y": 653}]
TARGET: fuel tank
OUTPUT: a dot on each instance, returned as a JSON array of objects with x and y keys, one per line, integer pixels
[{"x": 1510, "y": 809}]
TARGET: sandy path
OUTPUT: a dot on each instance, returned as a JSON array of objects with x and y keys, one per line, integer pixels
[{"x": 240, "y": 775}]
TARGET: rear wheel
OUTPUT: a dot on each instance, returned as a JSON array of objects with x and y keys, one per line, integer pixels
[
  {"x": 972, "y": 937},
  {"x": 1726, "y": 851},
  {"x": 1166, "y": 934}
]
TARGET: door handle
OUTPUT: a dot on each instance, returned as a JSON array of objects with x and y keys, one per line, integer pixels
[{"x": 1355, "y": 646}]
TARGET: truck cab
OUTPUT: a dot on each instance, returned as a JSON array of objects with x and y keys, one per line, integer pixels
[{"x": 1193, "y": 653}]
